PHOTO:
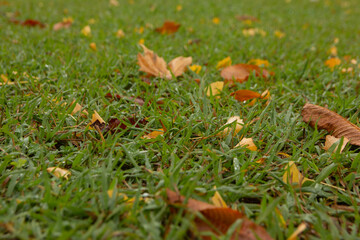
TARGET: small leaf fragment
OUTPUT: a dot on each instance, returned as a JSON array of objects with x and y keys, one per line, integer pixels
[
  {"x": 154, "y": 134},
  {"x": 168, "y": 27},
  {"x": 224, "y": 63},
  {"x": 86, "y": 31},
  {"x": 243, "y": 95},
  {"x": 217, "y": 200},
  {"x": 299, "y": 229},
  {"x": 331, "y": 140},
  {"x": 292, "y": 175},
  {"x": 195, "y": 68},
  {"x": 59, "y": 172},
  {"x": 238, "y": 126},
  {"x": 179, "y": 65},
  {"x": 248, "y": 143}
]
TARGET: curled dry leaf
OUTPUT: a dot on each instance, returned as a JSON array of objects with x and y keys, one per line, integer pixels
[
  {"x": 218, "y": 201},
  {"x": 330, "y": 140},
  {"x": 248, "y": 143},
  {"x": 238, "y": 126},
  {"x": 219, "y": 219},
  {"x": 154, "y": 65},
  {"x": 59, "y": 172},
  {"x": 215, "y": 89},
  {"x": 78, "y": 108},
  {"x": 332, "y": 122},
  {"x": 241, "y": 72},
  {"x": 168, "y": 28}
]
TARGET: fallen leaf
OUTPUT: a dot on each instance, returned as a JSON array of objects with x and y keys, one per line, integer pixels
[
  {"x": 241, "y": 72},
  {"x": 217, "y": 200},
  {"x": 65, "y": 23},
  {"x": 333, "y": 51},
  {"x": 78, "y": 108},
  {"x": 249, "y": 32},
  {"x": 33, "y": 23},
  {"x": 259, "y": 62},
  {"x": 243, "y": 95},
  {"x": 330, "y": 140},
  {"x": 219, "y": 219},
  {"x": 216, "y": 20},
  {"x": 141, "y": 41},
  {"x": 168, "y": 27},
  {"x": 86, "y": 31},
  {"x": 154, "y": 65},
  {"x": 114, "y": 3},
  {"x": 332, "y": 63},
  {"x": 248, "y": 143},
  {"x": 238, "y": 126},
  {"x": 96, "y": 117},
  {"x": 139, "y": 30},
  {"x": 115, "y": 124},
  {"x": 179, "y": 8},
  {"x": 195, "y": 68},
  {"x": 265, "y": 95},
  {"x": 154, "y": 134},
  {"x": 59, "y": 172},
  {"x": 279, "y": 34},
  {"x": 215, "y": 89},
  {"x": 120, "y": 33},
  {"x": 4, "y": 78},
  {"x": 299, "y": 229},
  {"x": 92, "y": 46},
  {"x": 292, "y": 175},
  {"x": 224, "y": 63},
  {"x": 332, "y": 122},
  {"x": 179, "y": 65}
]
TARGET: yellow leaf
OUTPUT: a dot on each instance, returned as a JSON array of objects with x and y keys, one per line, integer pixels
[
  {"x": 141, "y": 41},
  {"x": 95, "y": 117},
  {"x": 332, "y": 63},
  {"x": 78, "y": 108},
  {"x": 120, "y": 33},
  {"x": 292, "y": 175},
  {"x": 215, "y": 88},
  {"x": 224, "y": 63},
  {"x": 299, "y": 229},
  {"x": 59, "y": 172},
  {"x": 92, "y": 46},
  {"x": 336, "y": 40},
  {"x": 253, "y": 31},
  {"x": 139, "y": 30},
  {"x": 154, "y": 134},
  {"x": 86, "y": 31},
  {"x": 217, "y": 200},
  {"x": 195, "y": 68},
  {"x": 333, "y": 51},
  {"x": 330, "y": 140},
  {"x": 179, "y": 8},
  {"x": 92, "y": 21},
  {"x": 216, "y": 20},
  {"x": 238, "y": 126},
  {"x": 259, "y": 62},
  {"x": 281, "y": 217},
  {"x": 4, "y": 78},
  {"x": 248, "y": 143},
  {"x": 279, "y": 34}
]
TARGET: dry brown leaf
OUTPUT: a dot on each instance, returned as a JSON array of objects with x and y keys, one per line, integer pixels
[
  {"x": 59, "y": 172},
  {"x": 168, "y": 28},
  {"x": 154, "y": 65},
  {"x": 219, "y": 219},
  {"x": 248, "y": 143},
  {"x": 332, "y": 122},
  {"x": 65, "y": 23},
  {"x": 330, "y": 140},
  {"x": 243, "y": 95},
  {"x": 179, "y": 65},
  {"x": 241, "y": 72}
]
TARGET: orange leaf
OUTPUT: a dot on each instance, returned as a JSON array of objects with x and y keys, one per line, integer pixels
[
  {"x": 66, "y": 23},
  {"x": 168, "y": 28},
  {"x": 332, "y": 63},
  {"x": 218, "y": 219},
  {"x": 241, "y": 72},
  {"x": 331, "y": 121},
  {"x": 243, "y": 95},
  {"x": 154, "y": 134}
]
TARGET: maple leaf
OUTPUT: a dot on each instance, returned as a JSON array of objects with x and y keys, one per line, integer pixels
[
  {"x": 154, "y": 65},
  {"x": 168, "y": 27}
]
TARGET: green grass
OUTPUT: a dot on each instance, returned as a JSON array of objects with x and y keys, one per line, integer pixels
[{"x": 37, "y": 132}]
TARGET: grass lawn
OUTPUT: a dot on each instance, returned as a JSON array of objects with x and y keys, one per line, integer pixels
[{"x": 54, "y": 68}]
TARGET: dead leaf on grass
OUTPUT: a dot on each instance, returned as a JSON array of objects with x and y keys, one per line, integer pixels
[
  {"x": 154, "y": 134},
  {"x": 33, "y": 23},
  {"x": 154, "y": 65},
  {"x": 248, "y": 143},
  {"x": 224, "y": 63},
  {"x": 168, "y": 27},
  {"x": 332, "y": 122},
  {"x": 244, "y": 95},
  {"x": 65, "y": 23},
  {"x": 332, "y": 63},
  {"x": 241, "y": 72},
  {"x": 238, "y": 126},
  {"x": 214, "y": 89},
  {"x": 59, "y": 172},
  {"x": 218, "y": 220},
  {"x": 331, "y": 140}
]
